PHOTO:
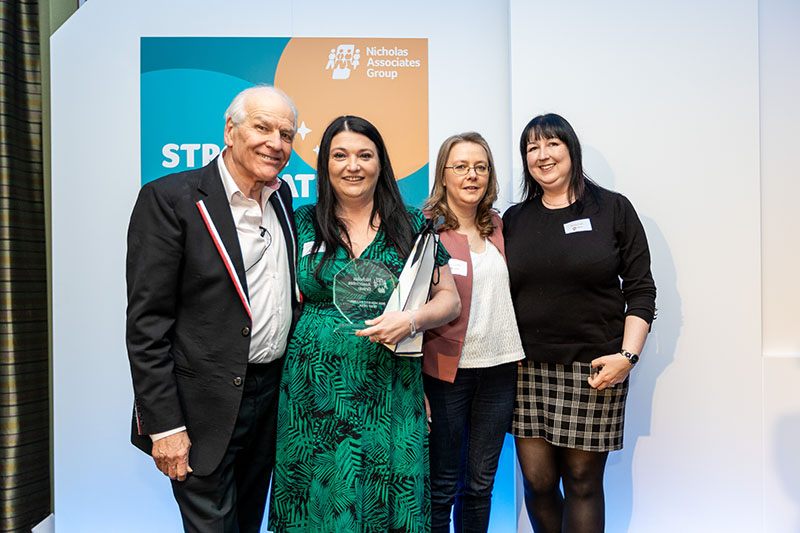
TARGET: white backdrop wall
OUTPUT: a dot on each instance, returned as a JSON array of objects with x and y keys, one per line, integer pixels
[
  {"x": 779, "y": 79},
  {"x": 665, "y": 98}
]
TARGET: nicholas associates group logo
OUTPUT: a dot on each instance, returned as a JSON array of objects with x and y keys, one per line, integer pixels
[
  {"x": 382, "y": 80},
  {"x": 342, "y": 59}
]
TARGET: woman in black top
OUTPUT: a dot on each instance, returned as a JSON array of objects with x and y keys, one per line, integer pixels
[{"x": 579, "y": 268}]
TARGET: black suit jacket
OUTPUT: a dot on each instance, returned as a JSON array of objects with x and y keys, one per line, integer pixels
[{"x": 188, "y": 326}]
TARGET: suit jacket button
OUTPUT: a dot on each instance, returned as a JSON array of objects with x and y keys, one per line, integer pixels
[
  {"x": 245, "y": 331},
  {"x": 237, "y": 381}
]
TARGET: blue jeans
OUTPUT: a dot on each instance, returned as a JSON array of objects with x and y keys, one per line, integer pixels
[{"x": 469, "y": 420}]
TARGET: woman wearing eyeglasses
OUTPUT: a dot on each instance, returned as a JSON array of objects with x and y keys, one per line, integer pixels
[{"x": 469, "y": 364}]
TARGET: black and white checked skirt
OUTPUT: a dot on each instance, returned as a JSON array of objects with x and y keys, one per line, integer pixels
[{"x": 555, "y": 403}]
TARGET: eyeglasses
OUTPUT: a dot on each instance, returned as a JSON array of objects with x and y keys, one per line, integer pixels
[
  {"x": 266, "y": 238},
  {"x": 463, "y": 170}
]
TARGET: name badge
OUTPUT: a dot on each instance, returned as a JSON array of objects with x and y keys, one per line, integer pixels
[
  {"x": 307, "y": 246},
  {"x": 575, "y": 226},
  {"x": 457, "y": 267}
]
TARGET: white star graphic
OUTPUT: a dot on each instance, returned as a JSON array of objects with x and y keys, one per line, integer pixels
[
  {"x": 316, "y": 149},
  {"x": 303, "y": 130}
]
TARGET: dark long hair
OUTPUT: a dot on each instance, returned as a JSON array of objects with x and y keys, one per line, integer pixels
[
  {"x": 547, "y": 127},
  {"x": 436, "y": 203},
  {"x": 387, "y": 202}
]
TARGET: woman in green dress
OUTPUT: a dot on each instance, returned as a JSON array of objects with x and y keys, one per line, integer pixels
[{"x": 351, "y": 451}]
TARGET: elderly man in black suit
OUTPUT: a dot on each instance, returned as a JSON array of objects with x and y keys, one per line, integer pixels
[{"x": 212, "y": 299}]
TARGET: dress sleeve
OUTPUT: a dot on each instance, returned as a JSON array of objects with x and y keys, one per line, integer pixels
[
  {"x": 304, "y": 227},
  {"x": 638, "y": 286},
  {"x": 442, "y": 257},
  {"x": 306, "y": 261}
]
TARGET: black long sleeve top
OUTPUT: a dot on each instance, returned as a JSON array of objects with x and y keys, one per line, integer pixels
[{"x": 576, "y": 273}]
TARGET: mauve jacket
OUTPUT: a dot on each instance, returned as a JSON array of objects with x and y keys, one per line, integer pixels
[{"x": 442, "y": 346}]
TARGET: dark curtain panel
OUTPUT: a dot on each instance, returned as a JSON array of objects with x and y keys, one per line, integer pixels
[{"x": 24, "y": 359}]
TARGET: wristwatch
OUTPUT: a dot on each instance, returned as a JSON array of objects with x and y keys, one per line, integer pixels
[{"x": 633, "y": 358}]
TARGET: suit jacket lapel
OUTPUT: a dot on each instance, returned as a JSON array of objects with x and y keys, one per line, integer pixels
[
  {"x": 219, "y": 209},
  {"x": 284, "y": 212}
]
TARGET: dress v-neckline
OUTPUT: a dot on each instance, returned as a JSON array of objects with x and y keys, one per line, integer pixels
[{"x": 368, "y": 246}]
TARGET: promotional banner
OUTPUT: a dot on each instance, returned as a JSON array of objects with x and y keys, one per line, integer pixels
[{"x": 188, "y": 82}]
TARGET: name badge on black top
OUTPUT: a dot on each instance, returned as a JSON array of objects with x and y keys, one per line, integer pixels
[{"x": 583, "y": 224}]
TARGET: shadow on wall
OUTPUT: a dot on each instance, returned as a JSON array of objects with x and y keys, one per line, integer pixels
[{"x": 659, "y": 352}]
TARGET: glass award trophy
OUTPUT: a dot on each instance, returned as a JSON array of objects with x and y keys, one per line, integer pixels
[{"x": 361, "y": 290}]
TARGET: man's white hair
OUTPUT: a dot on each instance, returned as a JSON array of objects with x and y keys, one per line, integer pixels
[{"x": 237, "y": 112}]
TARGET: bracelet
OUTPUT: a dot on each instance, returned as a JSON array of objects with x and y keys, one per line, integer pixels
[{"x": 413, "y": 326}]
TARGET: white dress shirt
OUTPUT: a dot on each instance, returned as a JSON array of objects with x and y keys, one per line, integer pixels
[{"x": 266, "y": 268}]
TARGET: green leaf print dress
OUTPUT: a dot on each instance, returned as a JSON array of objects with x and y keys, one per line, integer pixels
[{"x": 352, "y": 439}]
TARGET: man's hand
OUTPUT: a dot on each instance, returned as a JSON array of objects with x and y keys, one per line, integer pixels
[{"x": 171, "y": 455}]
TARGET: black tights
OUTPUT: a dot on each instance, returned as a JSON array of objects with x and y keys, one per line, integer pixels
[{"x": 582, "y": 506}]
